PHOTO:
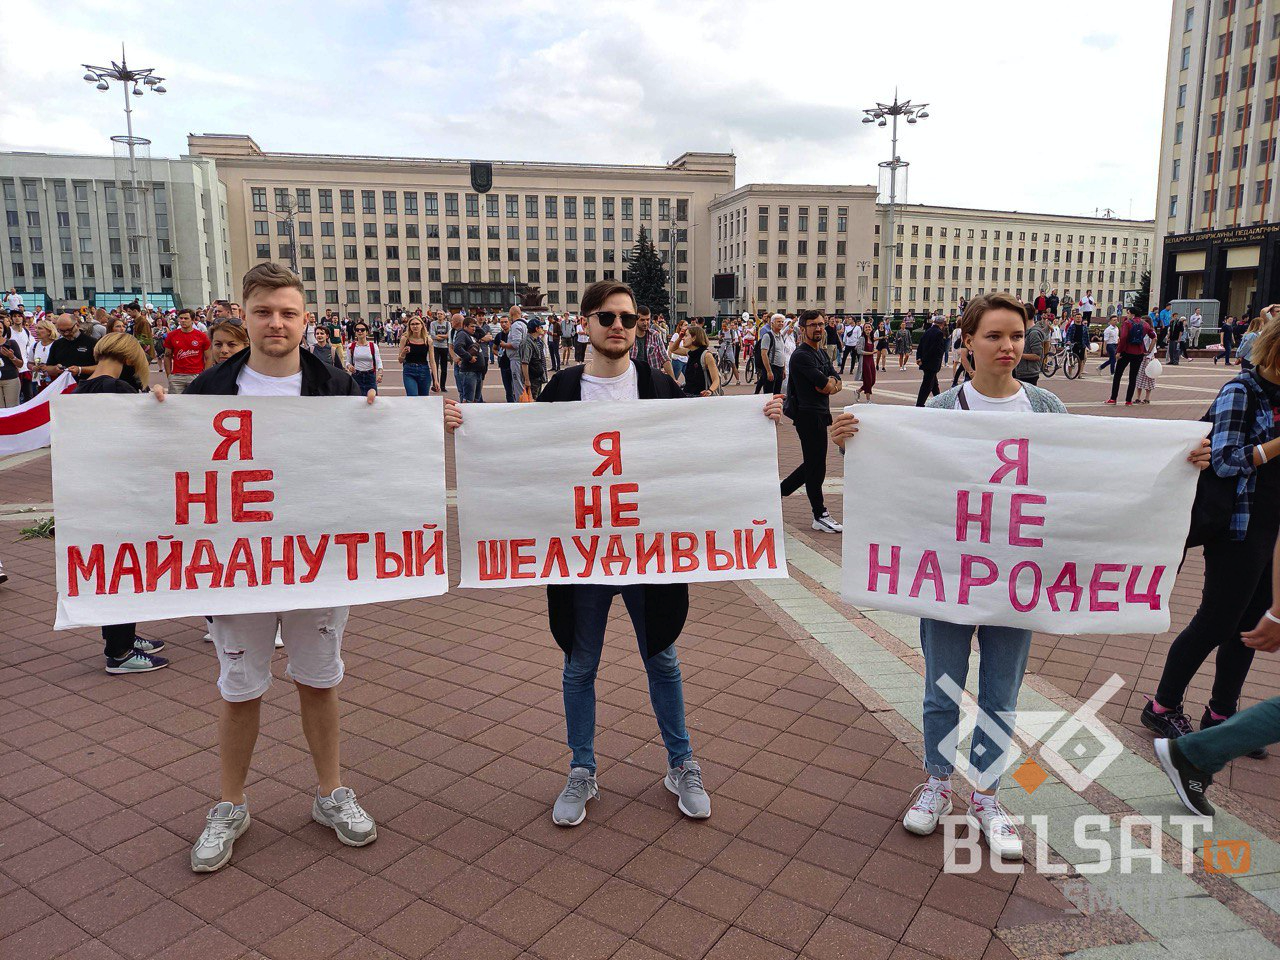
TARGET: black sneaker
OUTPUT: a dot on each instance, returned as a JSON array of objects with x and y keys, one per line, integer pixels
[
  {"x": 1171, "y": 724},
  {"x": 1189, "y": 781},
  {"x": 1208, "y": 723}
]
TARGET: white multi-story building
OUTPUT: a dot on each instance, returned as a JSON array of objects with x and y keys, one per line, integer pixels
[{"x": 71, "y": 234}]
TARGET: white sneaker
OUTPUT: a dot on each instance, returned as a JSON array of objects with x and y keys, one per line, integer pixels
[
  {"x": 986, "y": 814},
  {"x": 826, "y": 524},
  {"x": 931, "y": 805}
]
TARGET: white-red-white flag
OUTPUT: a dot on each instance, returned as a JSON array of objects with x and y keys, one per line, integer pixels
[{"x": 26, "y": 426}]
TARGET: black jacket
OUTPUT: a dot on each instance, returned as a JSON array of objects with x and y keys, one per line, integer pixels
[
  {"x": 666, "y": 605},
  {"x": 809, "y": 369},
  {"x": 319, "y": 379},
  {"x": 930, "y": 350}
]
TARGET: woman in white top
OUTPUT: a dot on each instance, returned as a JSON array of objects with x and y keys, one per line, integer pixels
[
  {"x": 677, "y": 338},
  {"x": 364, "y": 361},
  {"x": 45, "y": 335}
]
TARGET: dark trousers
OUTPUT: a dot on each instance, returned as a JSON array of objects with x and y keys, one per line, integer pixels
[
  {"x": 553, "y": 348},
  {"x": 812, "y": 430},
  {"x": 1134, "y": 362},
  {"x": 442, "y": 367},
  {"x": 117, "y": 640},
  {"x": 928, "y": 387},
  {"x": 1111, "y": 358},
  {"x": 845, "y": 355},
  {"x": 1175, "y": 351},
  {"x": 507, "y": 386},
  {"x": 1237, "y": 589},
  {"x": 765, "y": 385}
]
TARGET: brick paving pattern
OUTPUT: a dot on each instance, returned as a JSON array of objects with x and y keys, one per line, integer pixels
[{"x": 453, "y": 739}]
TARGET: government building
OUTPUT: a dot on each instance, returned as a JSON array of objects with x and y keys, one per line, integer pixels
[
  {"x": 1217, "y": 222},
  {"x": 371, "y": 235}
]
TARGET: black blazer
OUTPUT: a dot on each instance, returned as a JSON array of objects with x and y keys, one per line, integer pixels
[
  {"x": 319, "y": 379},
  {"x": 666, "y": 605}
]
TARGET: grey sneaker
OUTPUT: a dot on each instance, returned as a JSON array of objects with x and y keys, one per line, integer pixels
[
  {"x": 222, "y": 826},
  {"x": 344, "y": 814},
  {"x": 685, "y": 781},
  {"x": 571, "y": 806}
]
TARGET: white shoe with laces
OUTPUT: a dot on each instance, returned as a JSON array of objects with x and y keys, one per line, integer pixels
[
  {"x": 987, "y": 815},
  {"x": 826, "y": 524},
  {"x": 931, "y": 802},
  {"x": 342, "y": 813}
]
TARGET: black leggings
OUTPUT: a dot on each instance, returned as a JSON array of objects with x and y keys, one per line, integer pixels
[
  {"x": 1134, "y": 362},
  {"x": 812, "y": 430},
  {"x": 442, "y": 365},
  {"x": 1237, "y": 590},
  {"x": 117, "y": 640}
]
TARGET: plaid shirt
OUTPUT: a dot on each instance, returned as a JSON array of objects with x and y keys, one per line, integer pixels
[
  {"x": 1234, "y": 435},
  {"x": 655, "y": 349}
]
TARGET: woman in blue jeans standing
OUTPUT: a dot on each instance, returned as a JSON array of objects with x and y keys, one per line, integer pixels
[
  {"x": 415, "y": 355},
  {"x": 994, "y": 326},
  {"x": 364, "y": 361}
]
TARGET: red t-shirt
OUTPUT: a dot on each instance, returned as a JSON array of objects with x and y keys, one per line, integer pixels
[{"x": 188, "y": 350}]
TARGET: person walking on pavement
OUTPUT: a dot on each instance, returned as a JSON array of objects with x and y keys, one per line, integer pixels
[
  {"x": 811, "y": 383},
  {"x": 929, "y": 353}
]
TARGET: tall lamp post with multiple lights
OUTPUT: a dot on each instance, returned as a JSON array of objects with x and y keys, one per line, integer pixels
[
  {"x": 135, "y": 82},
  {"x": 880, "y": 114}
]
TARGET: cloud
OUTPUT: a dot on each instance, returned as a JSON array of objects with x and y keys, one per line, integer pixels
[{"x": 782, "y": 85}]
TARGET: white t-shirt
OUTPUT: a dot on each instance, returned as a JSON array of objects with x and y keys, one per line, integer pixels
[
  {"x": 1111, "y": 333},
  {"x": 622, "y": 387},
  {"x": 583, "y": 335},
  {"x": 13, "y": 301},
  {"x": 1018, "y": 403},
  {"x": 364, "y": 356},
  {"x": 1086, "y": 304},
  {"x": 254, "y": 384},
  {"x": 24, "y": 341}
]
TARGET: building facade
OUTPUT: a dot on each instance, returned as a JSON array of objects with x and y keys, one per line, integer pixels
[
  {"x": 372, "y": 234},
  {"x": 946, "y": 253},
  {"x": 76, "y": 235},
  {"x": 1217, "y": 211},
  {"x": 794, "y": 247}
]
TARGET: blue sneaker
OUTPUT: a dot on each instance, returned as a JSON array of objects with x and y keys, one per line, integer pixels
[
  {"x": 143, "y": 645},
  {"x": 136, "y": 662}
]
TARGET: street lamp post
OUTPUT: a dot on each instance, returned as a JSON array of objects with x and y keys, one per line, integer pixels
[
  {"x": 879, "y": 114},
  {"x": 138, "y": 79},
  {"x": 671, "y": 268}
]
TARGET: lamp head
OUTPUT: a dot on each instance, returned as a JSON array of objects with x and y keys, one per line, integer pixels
[
  {"x": 90, "y": 77},
  {"x": 103, "y": 85},
  {"x": 159, "y": 88}
]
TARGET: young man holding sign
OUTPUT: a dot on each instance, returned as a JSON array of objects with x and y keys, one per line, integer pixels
[
  {"x": 579, "y": 612},
  {"x": 274, "y": 365}
]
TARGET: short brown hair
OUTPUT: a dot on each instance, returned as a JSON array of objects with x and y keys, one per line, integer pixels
[
  {"x": 271, "y": 276},
  {"x": 235, "y": 331},
  {"x": 602, "y": 290},
  {"x": 981, "y": 305}
]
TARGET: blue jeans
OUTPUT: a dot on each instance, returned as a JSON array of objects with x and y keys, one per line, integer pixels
[
  {"x": 1111, "y": 357},
  {"x": 677, "y": 366},
  {"x": 417, "y": 379},
  {"x": 1244, "y": 732},
  {"x": 467, "y": 385},
  {"x": 366, "y": 380},
  {"x": 1001, "y": 663},
  {"x": 666, "y": 691}
]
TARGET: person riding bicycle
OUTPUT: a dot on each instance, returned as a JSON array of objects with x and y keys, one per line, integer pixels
[{"x": 1077, "y": 337}]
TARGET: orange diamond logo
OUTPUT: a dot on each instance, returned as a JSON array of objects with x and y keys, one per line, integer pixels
[{"x": 1029, "y": 776}]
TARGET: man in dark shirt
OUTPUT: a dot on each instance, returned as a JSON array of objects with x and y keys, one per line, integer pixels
[
  {"x": 72, "y": 350},
  {"x": 472, "y": 360},
  {"x": 811, "y": 382},
  {"x": 929, "y": 353}
]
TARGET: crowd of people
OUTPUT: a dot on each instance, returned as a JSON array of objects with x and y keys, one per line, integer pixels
[{"x": 618, "y": 350}]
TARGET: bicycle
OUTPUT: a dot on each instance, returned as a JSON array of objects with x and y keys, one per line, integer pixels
[
  {"x": 726, "y": 366},
  {"x": 1072, "y": 364},
  {"x": 749, "y": 371},
  {"x": 1049, "y": 366}
]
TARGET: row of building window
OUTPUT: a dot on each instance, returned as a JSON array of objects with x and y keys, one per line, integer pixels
[
  {"x": 396, "y": 298},
  {"x": 553, "y": 207},
  {"x": 350, "y": 251},
  {"x": 31, "y": 191},
  {"x": 87, "y": 271},
  {"x": 306, "y": 228}
]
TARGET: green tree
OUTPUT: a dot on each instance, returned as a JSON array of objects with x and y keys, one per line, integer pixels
[
  {"x": 647, "y": 276},
  {"x": 1142, "y": 299}
]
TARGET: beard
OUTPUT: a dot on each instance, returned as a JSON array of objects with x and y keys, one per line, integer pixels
[{"x": 610, "y": 351}]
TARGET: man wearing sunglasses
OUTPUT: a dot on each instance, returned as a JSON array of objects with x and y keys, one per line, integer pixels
[
  {"x": 812, "y": 383},
  {"x": 580, "y": 612}
]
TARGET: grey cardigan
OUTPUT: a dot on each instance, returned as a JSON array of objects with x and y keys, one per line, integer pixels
[{"x": 1042, "y": 401}]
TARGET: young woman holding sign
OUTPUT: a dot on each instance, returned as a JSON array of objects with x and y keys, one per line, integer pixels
[
  {"x": 121, "y": 363},
  {"x": 994, "y": 326}
]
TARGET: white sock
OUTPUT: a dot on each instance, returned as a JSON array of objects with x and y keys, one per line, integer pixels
[
  {"x": 940, "y": 782},
  {"x": 982, "y": 798}
]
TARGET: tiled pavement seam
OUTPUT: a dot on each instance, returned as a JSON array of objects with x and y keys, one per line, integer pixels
[{"x": 1199, "y": 922}]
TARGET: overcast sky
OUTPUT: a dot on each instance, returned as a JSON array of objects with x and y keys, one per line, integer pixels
[{"x": 1034, "y": 106}]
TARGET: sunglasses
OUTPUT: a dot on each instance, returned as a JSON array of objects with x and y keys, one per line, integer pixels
[
  {"x": 607, "y": 317},
  {"x": 365, "y": 329}
]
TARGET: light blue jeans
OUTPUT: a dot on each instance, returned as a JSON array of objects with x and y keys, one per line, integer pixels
[
  {"x": 1002, "y": 661},
  {"x": 666, "y": 690}
]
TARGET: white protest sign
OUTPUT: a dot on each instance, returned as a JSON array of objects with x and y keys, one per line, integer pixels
[
  {"x": 1066, "y": 524},
  {"x": 221, "y": 505},
  {"x": 654, "y": 491}
]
